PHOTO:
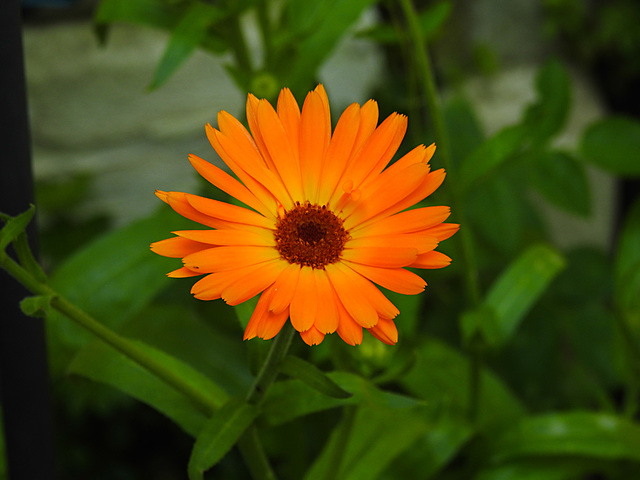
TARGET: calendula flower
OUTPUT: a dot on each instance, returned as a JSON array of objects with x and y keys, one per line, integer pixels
[{"x": 326, "y": 219}]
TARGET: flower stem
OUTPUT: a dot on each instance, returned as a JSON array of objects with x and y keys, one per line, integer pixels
[
  {"x": 467, "y": 254},
  {"x": 203, "y": 403}
]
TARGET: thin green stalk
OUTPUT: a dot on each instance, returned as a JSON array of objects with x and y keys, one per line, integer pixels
[
  {"x": 269, "y": 369},
  {"x": 632, "y": 354},
  {"x": 467, "y": 260},
  {"x": 339, "y": 448},
  {"x": 128, "y": 348},
  {"x": 266, "y": 32},
  {"x": 239, "y": 45}
]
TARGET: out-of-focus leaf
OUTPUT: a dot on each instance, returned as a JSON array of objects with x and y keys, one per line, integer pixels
[
  {"x": 433, "y": 450},
  {"x": 612, "y": 144},
  {"x": 481, "y": 321},
  {"x": 540, "y": 469},
  {"x": 219, "y": 434},
  {"x": 311, "y": 375},
  {"x": 561, "y": 180},
  {"x": 548, "y": 115},
  {"x": 290, "y": 399},
  {"x": 192, "y": 336},
  {"x": 441, "y": 375},
  {"x": 575, "y": 434},
  {"x": 519, "y": 287},
  {"x": 627, "y": 265},
  {"x": 101, "y": 363},
  {"x": 498, "y": 212},
  {"x": 152, "y": 13},
  {"x": 190, "y": 31},
  {"x": 376, "y": 437},
  {"x": 322, "y": 24},
  {"x": 38, "y": 306},
  {"x": 14, "y": 226},
  {"x": 463, "y": 125},
  {"x": 431, "y": 21},
  {"x": 115, "y": 276},
  {"x": 490, "y": 155}
]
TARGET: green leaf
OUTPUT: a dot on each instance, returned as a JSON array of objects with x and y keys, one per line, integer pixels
[
  {"x": 481, "y": 321},
  {"x": 431, "y": 21},
  {"x": 14, "y": 226},
  {"x": 291, "y": 399},
  {"x": 441, "y": 377},
  {"x": 114, "y": 277},
  {"x": 219, "y": 434},
  {"x": 376, "y": 438},
  {"x": 321, "y": 25},
  {"x": 101, "y": 363},
  {"x": 548, "y": 115},
  {"x": 538, "y": 469},
  {"x": 311, "y": 375},
  {"x": 562, "y": 180},
  {"x": 463, "y": 125},
  {"x": 490, "y": 155},
  {"x": 37, "y": 306},
  {"x": 190, "y": 31},
  {"x": 151, "y": 13},
  {"x": 627, "y": 265},
  {"x": 575, "y": 434},
  {"x": 519, "y": 287},
  {"x": 612, "y": 144}
]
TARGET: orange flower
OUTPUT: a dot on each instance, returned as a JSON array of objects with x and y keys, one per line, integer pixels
[{"x": 326, "y": 219}]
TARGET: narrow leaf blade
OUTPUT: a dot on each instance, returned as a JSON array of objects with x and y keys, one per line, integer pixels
[
  {"x": 519, "y": 287},
  {"x": 613, "y": 144},
  {"x": 297, "y": 368},
  {"x": 219, "y": 434}
]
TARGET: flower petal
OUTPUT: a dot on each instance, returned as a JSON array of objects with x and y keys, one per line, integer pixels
[
  {"x": 404, "y": 222},
  {"x": 252, "y": 283},
  {"x": 304, "y": 305},
  {"x": 389, "y": 257},
  {"x": 228, "y": 212},
  {"x": 177, "y": 247},
  {"x": 313, "y": 336},
  {"x": 228, "y": 184},
  {"x": 285, "y": 288},
  {"x": 385, "y": 331},
  {"x": 314, "y": 140},
  {"x": 421, "y": 243},
  {"x": 183, "y": 272},
  {"x": 431, "y": 260},
  {"x": 397, "y": 280},
  {"x": 217, "y": 259},
  {"x": 350, "y": 332},
  {"x": 246, "y": 236},
  {"x": 327, "y": 319}
]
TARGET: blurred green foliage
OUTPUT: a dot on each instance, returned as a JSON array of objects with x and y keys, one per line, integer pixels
[{"x": 550, "y": 357}]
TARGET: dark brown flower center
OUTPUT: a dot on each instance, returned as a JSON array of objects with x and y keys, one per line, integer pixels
[{"x": 310, "y": 235}]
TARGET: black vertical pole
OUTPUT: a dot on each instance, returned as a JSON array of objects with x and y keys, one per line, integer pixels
[{"x": 24, "y": 379}]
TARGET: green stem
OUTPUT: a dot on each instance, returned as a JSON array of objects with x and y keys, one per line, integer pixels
[
  {"x": 342, "y": 438},
  {"x": 239, "y": 45},
  {"x": 265, "y": 30},
  {"x": 249, "y": 443},
  {"x": 123, "y": 345},
  {"x": 423, "y": 64},
  {"x": 467, "y": 254},
  {"x": 269, "y": 369},
  {"x": 633, "y": 355}
]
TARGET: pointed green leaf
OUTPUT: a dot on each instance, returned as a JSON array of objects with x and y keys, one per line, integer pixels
[
  {"x": 441, "y": 377},
  {"x": 431, "y": 20},
  {"x": 376, "y": 438},
  {"x": 627, "y": 265},
  {"x": 114, "y": 277},
  {"x": 612, "y": 144},
  {"x": 101, "y": 363},
  {"x": 491, "y": 154},
  {"x": 191, "y": 30},
  {"x": 289, "y": 399},
  {"x": 14, "y": 226},
  {"x": 481, "y": 321},
  {"x": 153, "y": 13},
  {"x": 219, "y": 434},
  {"x": 37, "y": 306},
  {"x": 576, "y": 434},
  {"x": 562, "y": 180},
  {"x": 518, "y": 288},
  {"x": 548, "y": 114},
  {"x": 297, "y": 368}
]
